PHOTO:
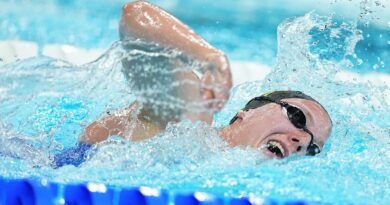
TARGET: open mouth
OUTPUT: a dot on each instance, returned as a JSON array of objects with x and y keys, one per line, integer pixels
[{"x": 276, "y": 148}]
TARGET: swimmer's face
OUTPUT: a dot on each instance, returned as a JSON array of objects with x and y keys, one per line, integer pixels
[{"x": 269, "y": 124}]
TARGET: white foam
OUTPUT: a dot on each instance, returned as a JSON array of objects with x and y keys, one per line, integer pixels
[
  {"x": 378, "y": 79},
  {"x": 72, "y": 54},
  {"x": 12, "y": 50},
  {"x": 243, "y": 71}
]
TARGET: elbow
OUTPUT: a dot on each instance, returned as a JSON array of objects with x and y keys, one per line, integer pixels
[
  {"x": 129, "y": 22},
  {"x": 134, "y": 7},
  {"x": 138, "y": 19}
]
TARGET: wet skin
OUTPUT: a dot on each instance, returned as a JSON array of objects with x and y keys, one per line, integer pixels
[{"x": 257, "y": 127}]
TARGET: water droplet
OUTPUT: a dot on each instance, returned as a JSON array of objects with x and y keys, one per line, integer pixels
[
  {"x": 322, "y": 28},
  {"x": 359, "y": 61},
  {"x": 382, "y": 63},
  {"x": 388, "y": 42},
  {"x": 376, "y": 66},
  {"x": 378, "y": 3}
]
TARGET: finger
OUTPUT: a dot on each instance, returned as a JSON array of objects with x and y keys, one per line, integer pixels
[
  {"x": 215, "y": 97},
  {"x": 206, "y": 91},
  {"x": 224, "y": 75},
  {"x": 221, "y": 97},
  {"x": 207, "y": 94}
]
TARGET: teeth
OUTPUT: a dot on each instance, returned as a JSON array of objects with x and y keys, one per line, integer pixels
[{"x": 277, "y": 144}]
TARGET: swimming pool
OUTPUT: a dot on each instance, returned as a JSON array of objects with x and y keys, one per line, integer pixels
[{"x": 43, "y": 102}]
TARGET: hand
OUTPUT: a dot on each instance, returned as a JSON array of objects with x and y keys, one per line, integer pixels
[{"x": 216, "y": 81}]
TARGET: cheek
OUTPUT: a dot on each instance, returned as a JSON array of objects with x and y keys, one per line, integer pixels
[
  {"x": 276, "y": 125},
  {"x": 268, "y": 122},
  {"x": 244, "y": 133},
  {"x": 254, "y": 128},
  {"x": 251, "y": 131}
]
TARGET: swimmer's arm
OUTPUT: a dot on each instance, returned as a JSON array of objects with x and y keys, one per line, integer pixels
[
  {"x": 102, "y": 129},
  {"x": 112, "y": 124},
  {"x": 146, "y": 21},
  {"x": 143, "y": 20}
]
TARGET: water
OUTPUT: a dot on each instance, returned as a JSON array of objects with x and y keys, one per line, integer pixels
[
  {"x": 46, "y": 103},
  {"x": 248, "y": 32}
]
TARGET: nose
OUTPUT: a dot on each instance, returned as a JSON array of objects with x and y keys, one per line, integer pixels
[
  {"x": 241, "y": 114},
  {"x": 299, "y": 140}
]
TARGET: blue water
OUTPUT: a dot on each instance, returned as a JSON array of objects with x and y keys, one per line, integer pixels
[
  {"x": 46, "y": 103},
  {"x": 244, "y": 30}
]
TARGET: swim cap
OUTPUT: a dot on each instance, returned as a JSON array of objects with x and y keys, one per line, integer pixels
[
  {"x": 276, "y": 96},
  {"x": 279, "y": 95}
]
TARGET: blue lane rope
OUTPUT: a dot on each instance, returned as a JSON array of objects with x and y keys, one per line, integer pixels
[{"x": 42, "y": 192}]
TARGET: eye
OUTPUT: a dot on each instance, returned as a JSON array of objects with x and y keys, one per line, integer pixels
[{"x": 299, "y": 148}]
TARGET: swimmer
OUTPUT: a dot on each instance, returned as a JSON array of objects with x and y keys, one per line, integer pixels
[{"x": 279, "y": 123}]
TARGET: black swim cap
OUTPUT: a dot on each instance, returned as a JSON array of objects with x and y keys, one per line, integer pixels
[{"x": 277, "y": 96}]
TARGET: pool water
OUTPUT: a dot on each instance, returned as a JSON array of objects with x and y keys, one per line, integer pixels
[
  {"x": 248, "y": 32},
  {"x": 46, "y": 104}
]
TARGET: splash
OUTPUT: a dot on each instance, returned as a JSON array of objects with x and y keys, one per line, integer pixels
[
  {"x": 47, "y": 103},
  {"x": 163, "y": 81},
  {"x": 313, "y": 53}
]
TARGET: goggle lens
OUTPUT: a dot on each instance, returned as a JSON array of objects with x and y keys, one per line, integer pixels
[
  {"x": 312, "y": 150},
  {"x": 296, "y": 116}
]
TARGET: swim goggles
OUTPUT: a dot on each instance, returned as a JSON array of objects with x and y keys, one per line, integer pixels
[{"x": 295, "y": 116}]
